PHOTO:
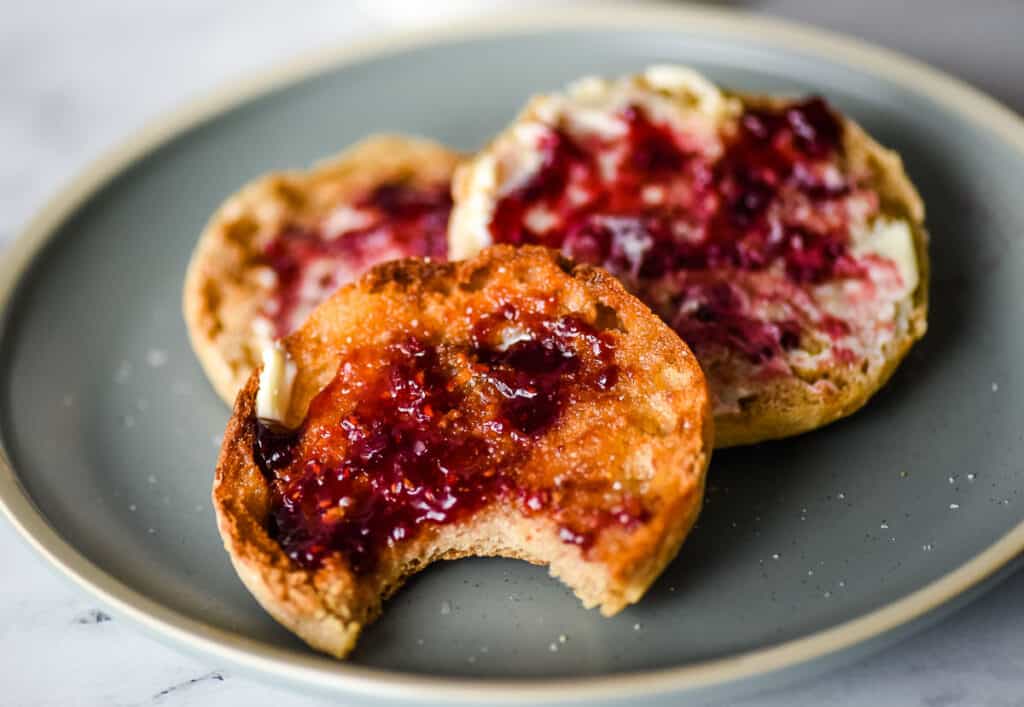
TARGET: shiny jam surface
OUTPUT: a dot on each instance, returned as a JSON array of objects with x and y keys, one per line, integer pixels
[
  {"x": 417, "y": 433},
  {"x": 395, "y": 220},
  {"x": 678, "y": 226}
]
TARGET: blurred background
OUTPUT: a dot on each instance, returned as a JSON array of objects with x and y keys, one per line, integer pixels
[{"x": 78, "y": 76}]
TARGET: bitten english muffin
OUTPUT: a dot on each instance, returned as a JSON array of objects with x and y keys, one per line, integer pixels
[
  {"x": 284, "y": 242},
  {"x": 513, "y": 404},
  {"x": 782, "y": 243}
]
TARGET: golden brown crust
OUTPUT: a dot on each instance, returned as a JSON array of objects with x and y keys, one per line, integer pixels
[
  {"x": 656, "y": 433},
  {"x": 224, "y": 288}
]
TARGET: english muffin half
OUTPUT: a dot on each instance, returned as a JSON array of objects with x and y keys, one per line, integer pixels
[
  {"x": 512, "y": 404},
  {"x": 781, "y": 242}
]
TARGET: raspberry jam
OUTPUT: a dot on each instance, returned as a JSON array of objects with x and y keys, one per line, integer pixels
[
  {"x": 395, "y": 220},
  {"x": 679, "y": 224},
  {"x": 417, "y": 433},
  {"x": 531, "y": 375}
]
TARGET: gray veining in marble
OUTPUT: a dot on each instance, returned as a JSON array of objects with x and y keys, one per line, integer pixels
[{"x": 78, "y": 76}]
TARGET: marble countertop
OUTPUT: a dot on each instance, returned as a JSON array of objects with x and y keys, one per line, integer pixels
[{"x": 78, "y": 76}]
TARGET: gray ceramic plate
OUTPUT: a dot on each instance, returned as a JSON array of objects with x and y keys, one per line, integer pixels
[{"x": 807, "y": 547}]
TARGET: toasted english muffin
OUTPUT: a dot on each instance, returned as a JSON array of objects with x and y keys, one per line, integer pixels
[
  {"x": 513, "y": 404},
  {"x": 781, "y": 242},
  {"x": 284, "y": 242}
]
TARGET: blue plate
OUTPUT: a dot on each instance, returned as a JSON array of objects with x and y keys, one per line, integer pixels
[{"x": 809, "y": 549}]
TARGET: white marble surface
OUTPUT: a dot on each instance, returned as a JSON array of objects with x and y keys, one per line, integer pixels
[{"x": 76, "y": 76}]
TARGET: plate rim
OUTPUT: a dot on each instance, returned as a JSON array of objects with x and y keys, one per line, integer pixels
[{"x": 325, "y": 674}]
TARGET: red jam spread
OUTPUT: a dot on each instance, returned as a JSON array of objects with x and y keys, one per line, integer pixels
[
  {"x": 395, "y": 220},
  {"x": 677, "y": 225},
  {"x": 418, "y": 432}
]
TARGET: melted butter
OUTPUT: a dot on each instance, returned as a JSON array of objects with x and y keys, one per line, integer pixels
[{"x": 275, "y": 392}]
